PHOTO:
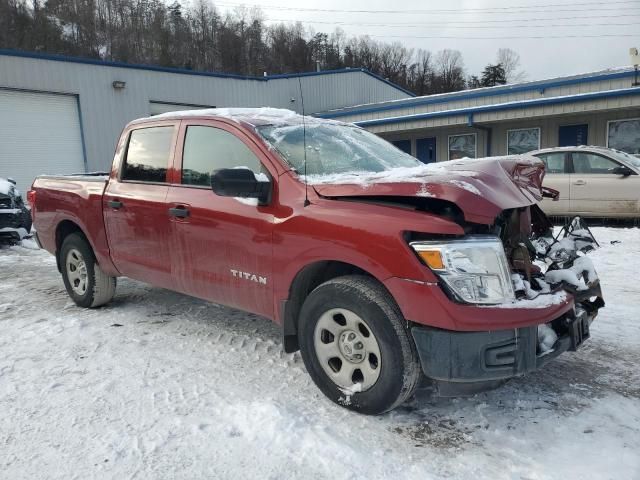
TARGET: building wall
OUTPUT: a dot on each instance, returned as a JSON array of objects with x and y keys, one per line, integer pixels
[
  {"x": 549, "y": 128},
  {"x": 104, "y": 110}
]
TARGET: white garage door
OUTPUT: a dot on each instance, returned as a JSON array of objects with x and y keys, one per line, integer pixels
[{"x": 39, "y": 134}]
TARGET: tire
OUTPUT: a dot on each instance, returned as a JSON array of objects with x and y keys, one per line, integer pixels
[
  {"x": 26, "y": 220},
  {"x": 86, "y": 283},
  {"x": 334, "y": 322}
]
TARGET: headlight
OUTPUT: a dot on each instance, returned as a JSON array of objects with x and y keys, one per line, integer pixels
[{"x": 475, "y": 268}]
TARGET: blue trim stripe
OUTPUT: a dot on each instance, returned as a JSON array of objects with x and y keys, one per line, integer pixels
[
  {"x": 480, "y": 93},
  {"x": 580, "y": 97},
  {"x": 183, "y": 71}
]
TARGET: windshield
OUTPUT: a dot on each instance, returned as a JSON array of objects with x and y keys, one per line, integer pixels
[
  {"x": 625, "y": 157},
  {"x": 335, "y": 148}
]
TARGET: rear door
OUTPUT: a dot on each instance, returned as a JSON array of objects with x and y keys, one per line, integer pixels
[
  {"x": 556, "y": 176},
  {"x": 222, "y": 248},
  {"x": 135, "y": 205},
  {"x": 597, "y": 191}
]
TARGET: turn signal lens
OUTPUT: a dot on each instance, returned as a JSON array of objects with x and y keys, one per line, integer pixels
[{"x": 433, "y": 258}]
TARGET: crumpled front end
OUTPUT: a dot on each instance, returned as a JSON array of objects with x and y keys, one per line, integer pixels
[
  {"x": 556, "y": 297},
  {"x": 545, "y": 264}
]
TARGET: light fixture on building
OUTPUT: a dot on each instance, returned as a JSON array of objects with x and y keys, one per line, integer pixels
[{"x": 119, "y": 84}]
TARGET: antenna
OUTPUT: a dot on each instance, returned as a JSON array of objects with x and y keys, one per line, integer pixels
[{"x": 304, "y": 145}]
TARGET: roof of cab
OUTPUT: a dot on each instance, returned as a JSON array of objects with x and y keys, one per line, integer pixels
[{"x": 251, "y": 116}]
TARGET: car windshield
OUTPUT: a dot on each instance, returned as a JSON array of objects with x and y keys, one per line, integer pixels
[
  {"x": 625, "y": 157},
  {"x": 334, "y": 148}
]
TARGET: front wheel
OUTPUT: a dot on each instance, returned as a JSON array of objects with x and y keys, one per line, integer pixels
[
  {"x": 86, "y": 283},
  {"x": 356, "y": 347}
]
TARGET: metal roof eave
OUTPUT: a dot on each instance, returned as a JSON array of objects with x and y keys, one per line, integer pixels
[
  {"x": 501, "y": 106},
  {"x": 477, "y": 93},
  {"x": 184, "y": 71}
]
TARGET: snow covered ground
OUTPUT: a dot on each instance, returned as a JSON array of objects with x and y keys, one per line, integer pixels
[{"x": 160, "y": 385}]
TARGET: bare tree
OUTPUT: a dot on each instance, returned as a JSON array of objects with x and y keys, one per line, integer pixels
[
  {"x": 450, "y": 69},
  {"x": 510, "y": 61},
  {"x": 195, "y": 35}
]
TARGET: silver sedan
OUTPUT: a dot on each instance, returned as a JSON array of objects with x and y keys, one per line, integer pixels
[{"x": 592, "y": 181}]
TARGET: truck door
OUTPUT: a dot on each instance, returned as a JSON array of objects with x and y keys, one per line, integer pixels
[
  {"x": 221, "y": 246},
  {"x": 135, "y": 209}
]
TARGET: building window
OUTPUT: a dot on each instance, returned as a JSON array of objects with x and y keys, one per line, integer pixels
[
  {"x": 522, "y": 140},
  {"x": 462, "y": 146},
  {"x": 624, "y": 135},
  {"x": 404, "y": 145}
]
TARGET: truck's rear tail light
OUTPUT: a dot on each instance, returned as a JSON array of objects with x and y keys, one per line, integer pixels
[{"x": 31, "y": 197}]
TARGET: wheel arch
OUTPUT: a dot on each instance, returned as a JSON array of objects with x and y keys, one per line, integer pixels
[
  {"x": 304, "y": 282},
  {"x": 63, "y": 230}
]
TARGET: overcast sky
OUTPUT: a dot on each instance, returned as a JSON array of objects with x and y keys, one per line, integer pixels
[{"x": 594, "y": 35}]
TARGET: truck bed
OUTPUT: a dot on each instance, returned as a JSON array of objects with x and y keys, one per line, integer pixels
[{"x": 78, "y": 200}]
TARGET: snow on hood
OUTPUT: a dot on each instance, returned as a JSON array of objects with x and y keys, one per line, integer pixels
[{"x": 482, "y": 188}]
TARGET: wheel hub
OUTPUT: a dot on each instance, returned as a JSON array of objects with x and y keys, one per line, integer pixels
[
  {"x": 77, "y": 272},
  {"x": 351, "y": 346}
]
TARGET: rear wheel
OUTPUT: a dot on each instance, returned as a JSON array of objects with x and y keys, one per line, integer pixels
[
  {"x": 86, "y": 283},
  {"x": 356, "y": 346}
]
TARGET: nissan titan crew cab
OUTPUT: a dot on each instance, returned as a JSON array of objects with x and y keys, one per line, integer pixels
[{"x": 378, "y": 268}]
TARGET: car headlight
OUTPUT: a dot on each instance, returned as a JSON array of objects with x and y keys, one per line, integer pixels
[{"x": 474, "y": 268}]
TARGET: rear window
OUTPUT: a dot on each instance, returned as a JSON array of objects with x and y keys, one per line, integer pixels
[{"x": 148, "y": 155}]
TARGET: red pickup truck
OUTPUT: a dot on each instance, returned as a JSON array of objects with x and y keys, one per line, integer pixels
[{"x": 378, "y": 268}]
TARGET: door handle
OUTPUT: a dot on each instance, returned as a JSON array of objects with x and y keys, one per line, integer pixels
[
  {"x": 115, "y": 204},
  {"x": 181, "y": 212},
  {"x": 580, "y": 182}
]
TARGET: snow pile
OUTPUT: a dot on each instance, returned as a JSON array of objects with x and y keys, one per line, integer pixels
[
  {"x": 580, "y": 275},
  {"x": 547, "y": 338},
  {"x": 6, "y": 186},
  {"x": 540, "y": 301}
]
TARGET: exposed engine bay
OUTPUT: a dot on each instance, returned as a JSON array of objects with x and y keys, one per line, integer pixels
[{"x": 545, "y": 262}]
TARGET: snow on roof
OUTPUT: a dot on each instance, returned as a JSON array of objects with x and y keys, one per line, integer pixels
[{"x": 253, "y": 116}]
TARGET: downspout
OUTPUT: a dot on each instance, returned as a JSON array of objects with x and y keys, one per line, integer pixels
[{"x": 484, "y": 128}]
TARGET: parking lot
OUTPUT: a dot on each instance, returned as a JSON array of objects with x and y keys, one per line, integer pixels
[{"x": 161, "y": 385}]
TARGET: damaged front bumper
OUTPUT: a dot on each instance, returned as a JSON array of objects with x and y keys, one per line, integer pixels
[{"x": 468, "y": 362}]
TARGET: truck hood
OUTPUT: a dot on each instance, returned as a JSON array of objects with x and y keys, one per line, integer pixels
[{"x": 480, "y": 188}]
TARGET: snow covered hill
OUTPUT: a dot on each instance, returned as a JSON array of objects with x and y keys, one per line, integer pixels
[{"x": 160, "y": 385}]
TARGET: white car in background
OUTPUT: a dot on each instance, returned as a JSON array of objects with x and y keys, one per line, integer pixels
[{"x": 592, "y": 181}]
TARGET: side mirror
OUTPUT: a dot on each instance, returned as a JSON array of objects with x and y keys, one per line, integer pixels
[
  {"x": 240, "y": 182},
  {"x": 622, "y": 170}
]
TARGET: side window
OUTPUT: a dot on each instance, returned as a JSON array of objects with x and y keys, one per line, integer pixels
[
  {"x": 592, "y": 163},
  {"x": 148, "y": 155},
  {"x": 208, "y": 148},
  {"x": 553, "y": 162}
]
